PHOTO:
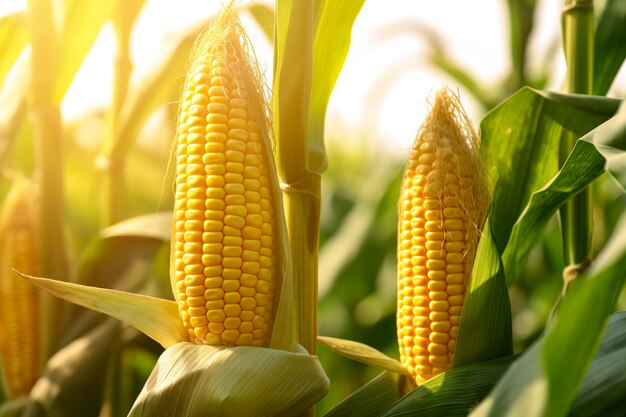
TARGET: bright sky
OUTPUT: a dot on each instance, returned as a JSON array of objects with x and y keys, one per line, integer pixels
[{"x": 384, "y": 42}]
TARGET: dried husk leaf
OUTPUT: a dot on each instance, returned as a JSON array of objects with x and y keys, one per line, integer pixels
[
  {"x": 155, "y": 317},
  {"x": 192, "y": 380},
  {"x": 362, "y": 353}
]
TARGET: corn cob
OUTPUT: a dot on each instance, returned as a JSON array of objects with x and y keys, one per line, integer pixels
[
  {"x": 224, "y": 249},
  {"x": 19, "y": 302},
  {"x": 441, "y": 212}
]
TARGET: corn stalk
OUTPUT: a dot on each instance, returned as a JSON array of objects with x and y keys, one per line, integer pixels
[
  {"x": 47, "y": 134},
  {"x": 576, "y": 214},
  {"x": 301, "y": 185},
  {"x": 111, "y": 164}
]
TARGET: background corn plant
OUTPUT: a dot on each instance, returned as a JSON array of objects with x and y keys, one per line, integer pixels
[{"x": 105, "y": 365}]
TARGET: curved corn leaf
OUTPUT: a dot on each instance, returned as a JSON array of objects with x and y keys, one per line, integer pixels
[
  {"x": 79, "y": 370},
  {"x": 155, "y": 317},
  {"x": 603, "y": 148},
  {"x": 521, "y": 139},
  {"x": 603, "y": 392},
  {"x": 485, "y": 331},
  {"x": 545, "y": 379},
  {"x": 453, "y": 393},
  {"x": 201, "y": 380},
  {"x": 153, "y": 226},
  {"x": 13, "y": 37},
  {"x": 362, "y": 353},
  {"x": 371, "y": 399},
  {"x": 609, "y": 45}
]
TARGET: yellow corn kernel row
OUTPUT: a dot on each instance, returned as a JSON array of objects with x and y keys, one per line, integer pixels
[
  {"x": 19, "y": 301},
  {"x": 441, "y": 211},
  {"x": 224, "y": 243}
]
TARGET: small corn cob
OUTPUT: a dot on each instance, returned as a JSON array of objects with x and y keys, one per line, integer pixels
[
  {"x": 19, "y": 302},
  {"x": 224, "y": 251},
  {"x": 441, "y": 212}
]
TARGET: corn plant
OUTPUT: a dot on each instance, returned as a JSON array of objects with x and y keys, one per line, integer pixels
[{"x": 221, "y": 295}]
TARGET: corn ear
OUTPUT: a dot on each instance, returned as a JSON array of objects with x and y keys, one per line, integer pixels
[
  {"x": 442, "y": 207},
  {"x": 19, "y": 301},
  {"x": 226, "y": 252}
]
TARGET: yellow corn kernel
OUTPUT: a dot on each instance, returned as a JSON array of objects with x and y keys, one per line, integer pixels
[
  {"x": 19, "y": 301},
  {"x": 441, "y": 211},
  {"x": 223, "y": 195}
]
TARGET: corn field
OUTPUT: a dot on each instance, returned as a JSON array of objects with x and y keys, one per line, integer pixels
[{"x": 207, "y": 243}]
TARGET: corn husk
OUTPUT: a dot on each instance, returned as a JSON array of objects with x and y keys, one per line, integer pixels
[{"x": 201, "y": 380}]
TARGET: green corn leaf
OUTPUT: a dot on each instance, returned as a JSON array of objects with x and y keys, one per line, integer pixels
[
  {"x": 603, "y": 148},
  {"x": 330, "y": 48},
  {"x": 545, "y": 379},
  {"x": 521, "y": 139},
  {"x": 610, "y": 45},
  {"x": 311, "y": 45},
  {"x": 603, "y": 392},
  {"x": 453, "y": 393},
  {"x": 371, "y": 399}
]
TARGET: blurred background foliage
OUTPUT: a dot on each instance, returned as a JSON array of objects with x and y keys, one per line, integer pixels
[{"x": 357, "y": 298}]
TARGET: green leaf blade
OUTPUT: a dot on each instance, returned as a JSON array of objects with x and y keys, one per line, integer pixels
[{"x": 548, "y": 375}]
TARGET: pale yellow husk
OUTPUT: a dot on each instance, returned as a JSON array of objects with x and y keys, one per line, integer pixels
[{"x": 201, "y": 380}]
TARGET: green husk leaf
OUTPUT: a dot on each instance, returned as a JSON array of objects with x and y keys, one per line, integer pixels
[
  {"x": 155, "y": 317},
  {"x": 362, "y": 353},
  {"x": 485, "y": 331},
  {"x": 453, "y": 393},
  {"x": 545, "y": 379},
  {"x": 603, "y": 392},
  {"x": 610, "y": 45},
  {"x": 371, "y": 399},
  {"x": 201, "y": 380},
  {"x": 600, "y": 149},
  {"x": 78, "y": 370}
]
